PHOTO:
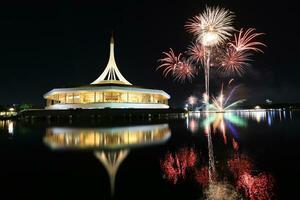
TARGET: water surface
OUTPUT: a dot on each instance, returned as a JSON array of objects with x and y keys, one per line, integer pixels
[{"x": 236, "y": 155}]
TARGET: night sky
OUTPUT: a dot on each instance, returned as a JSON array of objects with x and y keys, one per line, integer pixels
[{"x": 49, "y": 44}]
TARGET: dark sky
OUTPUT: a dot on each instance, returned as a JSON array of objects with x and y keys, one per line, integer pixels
[{"x": 50, "y": 43}]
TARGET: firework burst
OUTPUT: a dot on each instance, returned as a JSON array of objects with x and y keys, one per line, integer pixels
[
  {"x": 236, "y": 55},
  {"x": 232, "y": 61},
  {"x": 197, "y": 52},
  {"x": 211, "y": 27},
  {"x": 169, "y": 63},
  {"x": 245, "y": 41},
  {"x": 184, "y": 71},
  {"x": 175, "y": 65}
]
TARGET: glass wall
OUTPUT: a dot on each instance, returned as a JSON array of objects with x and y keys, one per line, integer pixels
[{"x": 105, "y": 96}]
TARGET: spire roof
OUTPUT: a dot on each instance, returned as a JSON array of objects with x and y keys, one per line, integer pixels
[{"x": 111, "y": 73}]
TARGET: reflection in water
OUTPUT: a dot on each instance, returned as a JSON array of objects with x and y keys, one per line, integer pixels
[
  {"x": 10, "y": 127},
  {"x": 221, "y": 191},
  {"x": 260, "y": 186},
  {"x": 111, "y": 162},
  {"x": 201, "y": 176},
  {"x": 106, "y": 138},
  {"x": 110, "y": 145},
  {"x": 262, "y": 115},
  {"x": 221, "y": 121},
  {"x": 175, "y": 165},
  {"x": 212, "y": 175},
  {"x": 7, "y": 125},
  {"x": 236, "y": 178}
]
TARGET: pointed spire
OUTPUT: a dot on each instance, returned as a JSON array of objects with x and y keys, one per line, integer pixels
[
  {"x": 111, "y": 73},
  {"x": 112, "y": 38}
]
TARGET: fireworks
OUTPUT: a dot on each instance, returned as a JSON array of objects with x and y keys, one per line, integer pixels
[
  {"x": 196, "y": 51},
  {"x": 211, "y": 27},
  {"x": 181, "y": 69},
  {"x": 221, "y": 102},
  {"x": 237, "y": 54},
  {"x": 184, "y": 71},
  {"x": 211, "y": 46},
  {"x": 169, "y": 62},
  {"x": 233, "y": 61},
  {"x": 245, "y": 41}
]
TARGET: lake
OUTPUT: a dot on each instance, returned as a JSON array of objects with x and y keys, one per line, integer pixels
[{"x": 234, "y": 155}]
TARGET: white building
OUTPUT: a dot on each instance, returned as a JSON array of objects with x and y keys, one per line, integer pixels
[{"x": 109, "y": 90}]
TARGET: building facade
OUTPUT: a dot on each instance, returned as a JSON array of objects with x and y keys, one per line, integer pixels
[{"x": 110, "y": 90}]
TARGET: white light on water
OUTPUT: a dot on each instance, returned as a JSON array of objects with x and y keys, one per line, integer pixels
[{"x": 10, "y": 127}]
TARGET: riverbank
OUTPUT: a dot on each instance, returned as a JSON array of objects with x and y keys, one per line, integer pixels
[{"x": 100, "y": 114}]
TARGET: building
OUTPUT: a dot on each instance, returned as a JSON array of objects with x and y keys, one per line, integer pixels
[
  {"x": 111, "y": 145},
  {"x": 110, "y": 90}
]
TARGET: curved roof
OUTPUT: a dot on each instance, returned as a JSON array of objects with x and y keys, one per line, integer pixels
[
  {"x": 110, "y": 79},
  {"x": 103, "y": 87}
]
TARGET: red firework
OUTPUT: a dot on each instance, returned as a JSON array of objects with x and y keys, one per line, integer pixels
[
  {"x": 174, "y": 166},
  {"x": 258, "y": 187},
  {"x": 233, "y": 61},
  {"x": 180, "y": 68},
  {"x": 245, "y": 41},
  {"x": 235, "y": 144},
  {"x": 202, "y": 176},
  {"x": 240, "y": 165},
  {"x": 184, "y": 71},
  {"x": 170, "y": 62},
  {"x": 236, "y": 56},
  {"x": 193, "y": 25},
  {"x": 196, "y": 51}
]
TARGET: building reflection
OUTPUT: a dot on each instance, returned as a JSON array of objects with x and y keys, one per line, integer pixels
[
  {"x": 110, "y": 145},
  {"x": 7, "y": 126}
]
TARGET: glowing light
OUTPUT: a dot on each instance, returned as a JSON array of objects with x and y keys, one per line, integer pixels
[
  {"x": 184, "y": 71},
  {"x": 236, "y": 120},
  {"x": 237, "y": 55},
  {"x": 240, "y": 165},
  {"x": 10, "y": 127},
  {"x": 181, "y": 69},
  {"x": 205, "y": 98},
  {"x": 220, "y": 191},
  {"x": 193, "y": 126},
  {"x": 202, "y": 176},
  {"x": 192, "y": 100},
  {"x": 211, "y": 27},
  {"x": 235, "y": 145},
  {"x": 169, "y": 62},
  {"x": 257, "y": 187},
  {"x": 174, "y": 166},
  {"x": 233, "y": 61},
  {"x": 244, "y": 41},
  {"x": 196, "y": 51},
  {"x": 221, "y": 103}
]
